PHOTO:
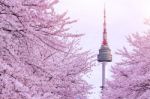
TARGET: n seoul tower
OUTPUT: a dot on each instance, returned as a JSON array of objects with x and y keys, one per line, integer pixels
[{"x": 104, "y": 55}]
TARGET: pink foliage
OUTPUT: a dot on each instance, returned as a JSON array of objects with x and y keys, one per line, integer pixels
[
  {"x": 38, "y": 58},
  {"x": 131, "y": 76}
]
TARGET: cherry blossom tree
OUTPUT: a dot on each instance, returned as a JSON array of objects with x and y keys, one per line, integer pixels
[
  {"x": 39, "y": 59},
  {"x": 131, "y": 76}
]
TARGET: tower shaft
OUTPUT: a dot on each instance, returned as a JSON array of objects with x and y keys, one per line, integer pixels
[{"x": 103, "y": 74}]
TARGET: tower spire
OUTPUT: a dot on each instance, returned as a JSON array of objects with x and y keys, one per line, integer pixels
[{"x": 104, "y": 29}]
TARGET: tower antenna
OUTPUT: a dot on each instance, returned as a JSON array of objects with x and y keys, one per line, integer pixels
[{"x": 104, "y": 29}]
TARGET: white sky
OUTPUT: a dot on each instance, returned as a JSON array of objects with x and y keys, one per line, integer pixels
[{"x": 123, "y": 18}]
